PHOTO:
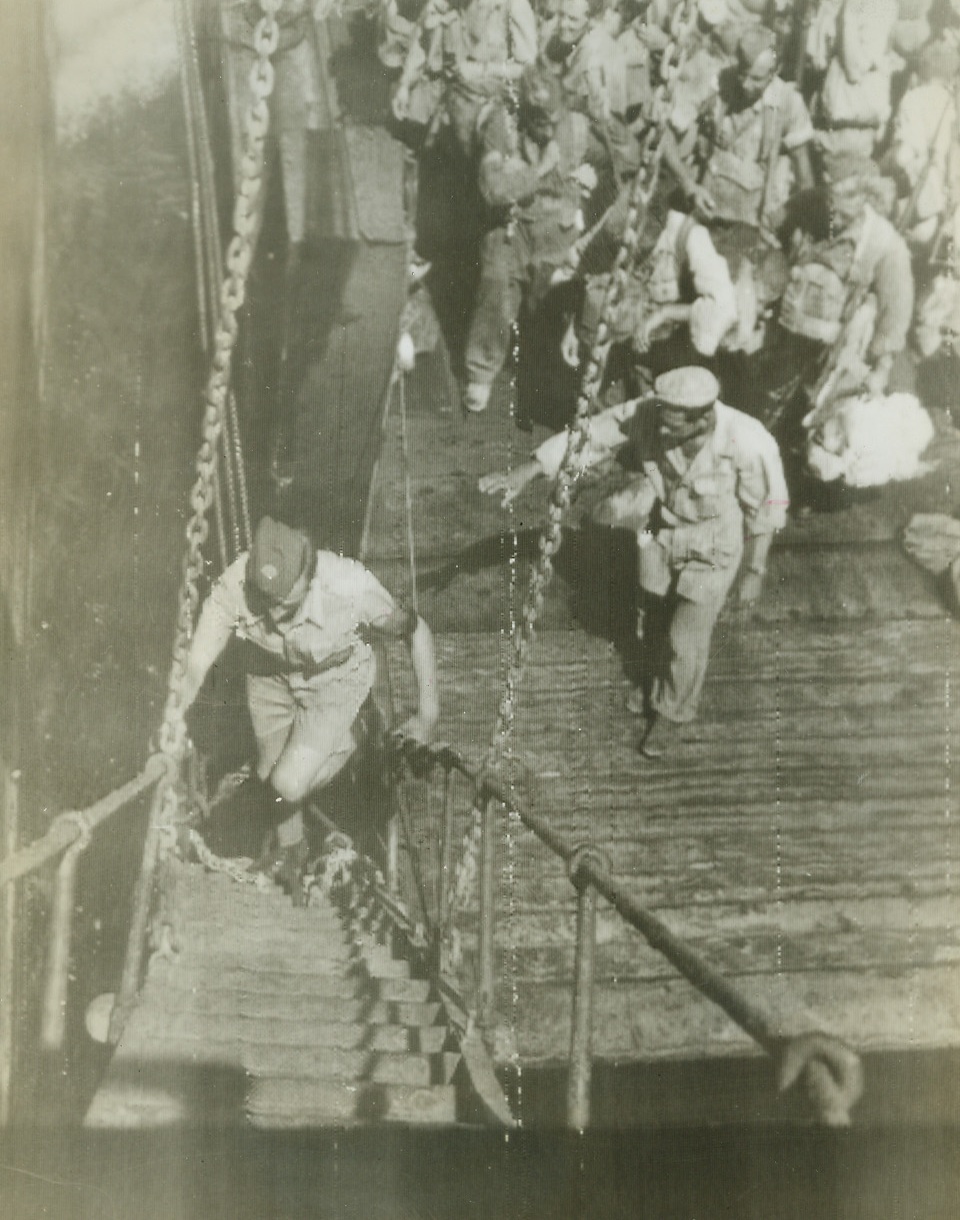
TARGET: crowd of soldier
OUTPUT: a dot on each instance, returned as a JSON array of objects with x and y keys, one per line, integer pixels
[{"x": 809, "y": 178}]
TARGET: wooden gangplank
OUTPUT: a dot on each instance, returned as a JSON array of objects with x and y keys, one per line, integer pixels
[
  {"x": 803, "y": 836},
  {"x": 257, "y": 1013}
]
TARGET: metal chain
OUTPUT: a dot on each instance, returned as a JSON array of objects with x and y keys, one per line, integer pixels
[
  {"x": 210, "y": 278},
  {"x": 243, "y": 524},
  {"x": 172, "y": 735},
  {"x": 226, "y": 464},
  {"x": 235, "y": 869},
  {"x": 463, "y": 883}
]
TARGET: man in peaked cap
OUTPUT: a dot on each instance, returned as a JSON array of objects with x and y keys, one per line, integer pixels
[
  {"x": 705, "y": 496},
  {"x": 312, "y": 618}
]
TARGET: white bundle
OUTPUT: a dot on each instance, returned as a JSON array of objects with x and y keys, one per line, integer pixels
[
  {"x": 869, "y": 441},
  {"x": 938, "y": 315}
]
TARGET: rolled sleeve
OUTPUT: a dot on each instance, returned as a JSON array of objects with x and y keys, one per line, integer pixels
[
  {"x": 798, "y": 128},
  {"x": 371, "y": 602}
]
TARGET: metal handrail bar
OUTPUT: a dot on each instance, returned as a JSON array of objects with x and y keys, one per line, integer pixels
[
  {"x": 66, "y": 828},
  {"x": 831, "y": 1070}
]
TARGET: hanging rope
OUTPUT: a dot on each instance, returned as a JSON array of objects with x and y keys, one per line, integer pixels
[
  {"x": 407, "y": 492},
  {"x": 463, "y": 883}
]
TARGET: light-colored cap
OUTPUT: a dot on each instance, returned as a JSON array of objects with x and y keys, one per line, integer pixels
[{"x": 692, "y": 387}]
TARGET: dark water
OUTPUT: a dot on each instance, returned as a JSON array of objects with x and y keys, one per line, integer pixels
[{"x": 674, "y": 1174}]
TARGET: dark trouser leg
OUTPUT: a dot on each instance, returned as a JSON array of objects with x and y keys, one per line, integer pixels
[
  {"x": 497, "y": 306},
  {"x": 676, "y": 690}
]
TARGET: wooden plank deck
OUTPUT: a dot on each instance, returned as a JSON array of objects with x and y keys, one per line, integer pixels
[
  {"x": 269, "y": 1015},
  {"x": 804, "y": 836}
]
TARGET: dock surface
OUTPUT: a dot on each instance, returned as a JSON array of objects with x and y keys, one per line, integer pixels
[{"x": 803, "y": 836}]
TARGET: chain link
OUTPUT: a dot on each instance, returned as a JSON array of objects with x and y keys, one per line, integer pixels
[
  {"x": 172, "y": 734},
  {"x": 463, "y": 883},
  {"x": 236, "y": 869}
]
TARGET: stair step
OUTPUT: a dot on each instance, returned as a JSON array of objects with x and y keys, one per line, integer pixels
[
  {"x": 246, "y": 902},
  {"x": 416, "y": 991},
  {"x": 234, "y": 984},
  {"x": 290, "y": 1103},
  {"x": 271, "y": 940},
  {"x": 322, "y": 1008},
  {"x": 199, "y": 1049},
  {"x": 293, "y": 960},
  {"x": 334, "y": 1063},
  {"x": 206, "y": 1094},
  {"x": 384, "y": 966},
  {"x": 349, "y": 1035}
]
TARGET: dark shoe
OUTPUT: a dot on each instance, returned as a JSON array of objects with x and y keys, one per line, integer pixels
[
  {"x": 291, "y": 866},
  {"x": 269, "y": 858}
]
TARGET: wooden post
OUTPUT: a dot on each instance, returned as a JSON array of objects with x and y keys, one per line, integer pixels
[
  {"x": 139, "y": 919},
  {"x": 8, "y": 942},
  {"x": 581, "y": 1034},
  {"x": 446, "y": 847},
  {"x": 54, "y": 1011},
  {"x": 488, "y": 914}
]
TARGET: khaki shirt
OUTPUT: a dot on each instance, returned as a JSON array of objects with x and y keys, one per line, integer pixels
[
  {"x": 328, "y": 632},
  {"x": 594, "y": 75},
  {"x": 734, "y": 485}
]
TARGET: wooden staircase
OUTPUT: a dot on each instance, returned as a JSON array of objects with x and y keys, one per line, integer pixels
[{"x": 278, "y": 1017}]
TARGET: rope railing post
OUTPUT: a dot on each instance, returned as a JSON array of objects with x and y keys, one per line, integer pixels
[
  {"x": 446, "y": 846},
  {"x": 828, "y": 1069},
  {"x": 66, "y": 828},
  {"x": 8, "y": 940},
  {"x": 581, "y": 1028},
  {"x": 393, "y": 853},
  {"x": 137, "y": 935},
  {"x": 488, "y": 912},
  {"x": 54, "y": 1009}
]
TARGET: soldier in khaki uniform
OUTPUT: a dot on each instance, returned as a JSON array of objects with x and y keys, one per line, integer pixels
[
  {"x": 535, "y": 174},
  {"x": 751, "y": 138},
  {"x": 706, "y": 499},
  {"x": 310, "y": 621}
]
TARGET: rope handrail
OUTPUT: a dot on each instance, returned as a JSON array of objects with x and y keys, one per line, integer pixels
[
  {"x": 830, "y": 1069},
  {"x": 66, "y": 828}
]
